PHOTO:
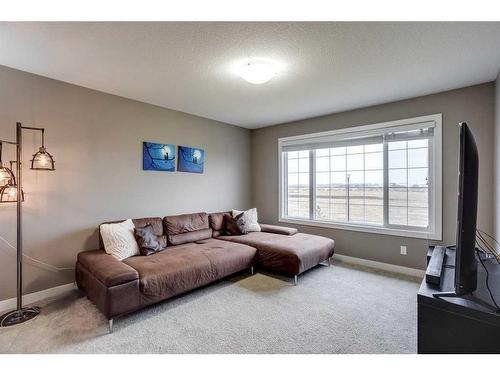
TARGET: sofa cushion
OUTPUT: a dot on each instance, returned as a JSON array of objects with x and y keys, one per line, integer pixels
[
  {"x": 216, "y": 221},
  {"x": 170, "y": 272},
  {"x": 149, "y": 243},
  {"x": 287, "y": 255},
  {"x": 251, "y": 219},
  {"x": 185, "y": 267},
  {"x": 234, "y": 226},
  {"x": 197, "y": 235},
  {"x": 155, "y": 222},
  {"x": 119, "y": 240},
  {"x": 228, "y": 257},
  {"x": 176, "y": 226},
  {"x": 278, "y": 229},
  {"x": 185, "y": 223}
]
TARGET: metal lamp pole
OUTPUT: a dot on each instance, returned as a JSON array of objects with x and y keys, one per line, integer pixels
[{"x": 42, "y": 160}]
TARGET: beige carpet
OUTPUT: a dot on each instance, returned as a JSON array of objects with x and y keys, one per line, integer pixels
[{"x": 336, "y": 309}]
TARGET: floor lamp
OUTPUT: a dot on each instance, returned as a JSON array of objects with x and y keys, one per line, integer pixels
[{"x": 12, "y": 191}]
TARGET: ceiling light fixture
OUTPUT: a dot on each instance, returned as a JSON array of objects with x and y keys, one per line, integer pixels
[{"x": 258, "y": 71}]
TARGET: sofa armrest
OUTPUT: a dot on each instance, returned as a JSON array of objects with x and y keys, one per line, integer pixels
[
  {"x": 107, "y": 269},
  {"x": 278, "y": 229}
]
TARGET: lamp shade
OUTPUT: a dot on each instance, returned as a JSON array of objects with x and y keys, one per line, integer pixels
[
  {"x": 6, "y": 175},
  {"x": 8, "y": 193},
  {"x": 42, "y": 160}
]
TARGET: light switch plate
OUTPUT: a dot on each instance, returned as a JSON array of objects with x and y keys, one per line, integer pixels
[{"x": 403, "y": 250}]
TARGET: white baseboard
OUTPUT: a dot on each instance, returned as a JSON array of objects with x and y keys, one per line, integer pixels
[
  {"x": 381, "y": 266},
  {"x": 11, "y": 303}
]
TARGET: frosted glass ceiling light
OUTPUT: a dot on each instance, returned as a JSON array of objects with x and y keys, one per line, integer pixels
[{"x": 257, "y": 71}]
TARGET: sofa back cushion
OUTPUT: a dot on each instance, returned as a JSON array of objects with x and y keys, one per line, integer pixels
[
  {"x": 187, "y": 228},
  {"x": 216, "y": 221},
  {"x": 155, "y": 222}
]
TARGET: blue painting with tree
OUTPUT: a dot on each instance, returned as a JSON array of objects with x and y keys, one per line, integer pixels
[
  {"x": 158, "y": 157},
  {"x": 190, "y": 159}
]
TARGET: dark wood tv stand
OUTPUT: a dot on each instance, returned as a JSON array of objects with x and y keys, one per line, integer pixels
[{"x": 456, "y": 325}]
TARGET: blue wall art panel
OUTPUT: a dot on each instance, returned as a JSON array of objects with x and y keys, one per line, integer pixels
[
  {"x": 158, "y": 157},
  {"x": 190, "y": 159}
]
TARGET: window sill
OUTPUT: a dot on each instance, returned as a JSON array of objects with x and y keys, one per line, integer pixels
[{"x": 365, "y": 229}]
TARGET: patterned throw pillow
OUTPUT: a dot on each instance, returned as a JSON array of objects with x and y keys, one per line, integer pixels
[
  {"x": 149, "y": 243},
  {"x": 119, "y": 240},
  {"x": 234, "y": 225},
  {"x": 251, "y": 219}
]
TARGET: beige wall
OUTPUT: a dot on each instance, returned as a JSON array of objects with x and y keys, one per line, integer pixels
[
  {"x": 496, "y": 186},
  {"x": 473, "y": 105},
  {"x": 96, "y": 139}
]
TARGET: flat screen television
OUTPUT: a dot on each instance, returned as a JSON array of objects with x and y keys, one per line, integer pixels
[{"x": 468, "y": 171}]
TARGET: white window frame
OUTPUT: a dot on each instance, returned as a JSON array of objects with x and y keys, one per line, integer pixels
[{"x": 433, "y": 232}]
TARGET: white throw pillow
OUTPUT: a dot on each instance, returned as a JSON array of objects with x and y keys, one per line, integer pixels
[
  {"x": 119, "y": 240},
  {"x": 251, "y": 219}
]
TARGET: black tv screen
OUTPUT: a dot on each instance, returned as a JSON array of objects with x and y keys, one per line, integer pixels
[{"x": 468, "y": 171}]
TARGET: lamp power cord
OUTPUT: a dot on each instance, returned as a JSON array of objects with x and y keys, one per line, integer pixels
[
  {"x": 485, "y": 248},
  {"x": 46, "y": 266}
]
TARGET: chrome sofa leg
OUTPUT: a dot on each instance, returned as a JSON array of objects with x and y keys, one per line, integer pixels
[
  {"x": 110, "y": 322},
  {"x": 252, "y": 270},
  {"x": 327, "y": 262},
  {"x": 295, "y": 280}
]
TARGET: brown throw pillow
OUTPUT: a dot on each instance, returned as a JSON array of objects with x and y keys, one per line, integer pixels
[
  {"x": 234, "y": 225},
  {"x": 149, "y": 243}
]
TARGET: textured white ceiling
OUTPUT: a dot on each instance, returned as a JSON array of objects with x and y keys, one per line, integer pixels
[{"x": 328, "y": 67}]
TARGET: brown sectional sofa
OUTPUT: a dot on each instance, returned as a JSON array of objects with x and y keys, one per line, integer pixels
[{"x": 197, "y": 254}]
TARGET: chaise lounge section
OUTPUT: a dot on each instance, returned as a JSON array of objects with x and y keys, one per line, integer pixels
[
  {"x": 282, "y": 250},
  {"x": 197, "y": 254}
]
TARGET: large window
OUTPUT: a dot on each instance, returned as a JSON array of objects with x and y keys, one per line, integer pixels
[{"x": 383, "y": 178}]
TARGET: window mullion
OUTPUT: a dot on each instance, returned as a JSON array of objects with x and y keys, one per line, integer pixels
[
  {"x": 284, "y": 189},
  {"x": 364, "y": 185},
  {"x": 407, "y": 184},
  {"x": 386, "y": 181},
  {"x": 347, "y": 176},
  {"x": 312, "y": 183},
  {"x": 430, "y": 184}
]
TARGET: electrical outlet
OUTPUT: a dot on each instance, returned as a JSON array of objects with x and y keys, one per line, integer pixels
[{"x": 403, "y": 250}]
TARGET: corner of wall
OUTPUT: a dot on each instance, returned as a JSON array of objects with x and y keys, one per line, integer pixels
[
  {"x": 496, "y": 161},
  {"x": 252, "y": 168}
]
